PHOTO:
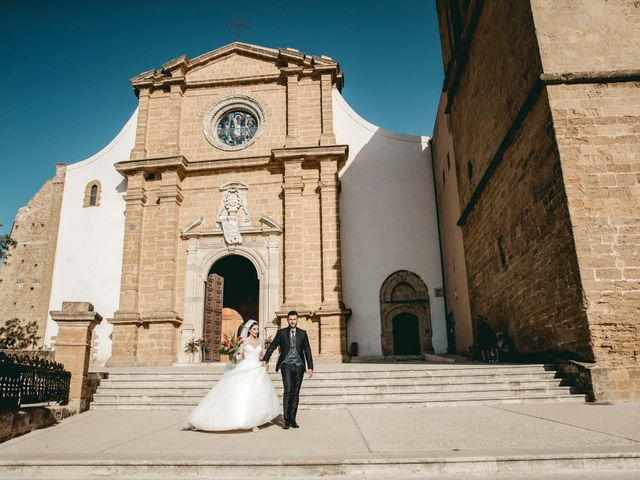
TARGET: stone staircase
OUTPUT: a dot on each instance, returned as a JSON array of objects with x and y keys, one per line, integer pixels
[{"x": 345, "y": 386}]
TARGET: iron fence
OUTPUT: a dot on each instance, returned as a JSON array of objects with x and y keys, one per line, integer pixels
[{"x": 25, "y": 381}]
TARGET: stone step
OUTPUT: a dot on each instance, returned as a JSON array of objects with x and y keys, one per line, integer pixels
[
  {"x": 347, "y": 383},
  {"x": 359, "y": 397},
  {"x": 485, "y": 369},
  {"x": 401, "y": 403},
  {"x": 340, "y": 369},
  {"x": 408, "y": 376},
  {"x": 340, "y": 399},
  {"x": 337, "y": 389},
  {"x": 343, "y": 385}
]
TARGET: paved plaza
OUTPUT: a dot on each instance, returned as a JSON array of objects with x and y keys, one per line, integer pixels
[{"x": 395, "y": 437}]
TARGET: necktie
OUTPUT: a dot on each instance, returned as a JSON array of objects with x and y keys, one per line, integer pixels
[{"x": 293, "y": 337}]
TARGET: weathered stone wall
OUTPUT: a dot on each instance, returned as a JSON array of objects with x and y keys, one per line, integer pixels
[
  {"x": 598, "y": 131},
  {"x": 487, "y": 91},
  {"x": 25, "y": 277},
  {"x": 521, "y": 267},
  {"x": 595, "y": 103},
  {"x": 587, "y": 36},
  {"x": 523, "y": 273},
  {"x": 559, "y": 199}
]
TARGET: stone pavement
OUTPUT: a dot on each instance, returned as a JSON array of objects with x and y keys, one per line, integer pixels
[{"x": 397, "y": 437}]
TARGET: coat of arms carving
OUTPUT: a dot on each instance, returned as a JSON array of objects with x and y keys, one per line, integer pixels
[{"x": 233, "y": 212}]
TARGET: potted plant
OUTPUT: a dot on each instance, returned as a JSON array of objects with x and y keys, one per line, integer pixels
[{"x": 194, "y": 346}]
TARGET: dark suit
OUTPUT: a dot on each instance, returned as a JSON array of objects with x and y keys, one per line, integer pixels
[{"x": 292, "y": 375}]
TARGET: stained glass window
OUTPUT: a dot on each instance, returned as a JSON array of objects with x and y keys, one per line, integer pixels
[{"x": 237, "y": 127}]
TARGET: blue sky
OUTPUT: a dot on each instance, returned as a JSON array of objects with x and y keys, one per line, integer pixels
[{"x": 67, "y": 64}]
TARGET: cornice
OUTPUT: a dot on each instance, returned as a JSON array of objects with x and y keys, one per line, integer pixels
[
  {"x": 183, "y": 166},
  {"x": 284, "y": 154},
  {"x": 288, "y": 60},
  {"x": 128, "y": 167}
]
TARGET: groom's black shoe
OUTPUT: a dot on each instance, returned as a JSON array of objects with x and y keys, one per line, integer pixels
[
  {"x": 285, "y": 426},
  {"x": 294, "y": 425}
]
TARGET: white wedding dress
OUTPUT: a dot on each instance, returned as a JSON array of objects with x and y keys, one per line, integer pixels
[{"x": 243, "y": 398}]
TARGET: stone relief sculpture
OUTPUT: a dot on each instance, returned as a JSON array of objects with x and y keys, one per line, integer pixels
[{"x": 233, "y": 211}]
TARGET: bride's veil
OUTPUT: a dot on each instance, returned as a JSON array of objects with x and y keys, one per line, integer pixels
[{"x": 245, "y": 328}]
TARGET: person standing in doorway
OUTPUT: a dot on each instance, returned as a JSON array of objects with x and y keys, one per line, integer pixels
[{"x": 295, "y": 358}]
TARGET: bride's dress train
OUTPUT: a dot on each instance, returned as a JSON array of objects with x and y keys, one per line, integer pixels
[{"x": 243, "y": 398}]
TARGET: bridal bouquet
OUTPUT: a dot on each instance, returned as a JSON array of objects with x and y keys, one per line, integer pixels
[{"x": 230, "y": 346}]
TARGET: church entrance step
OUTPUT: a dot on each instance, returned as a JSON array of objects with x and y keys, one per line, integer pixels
[
  {"x": 312, "y": 389},
  {"x": 345, "y": 385}
]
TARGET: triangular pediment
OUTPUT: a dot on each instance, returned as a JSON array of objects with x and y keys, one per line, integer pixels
[
  {"x": 234, "y": 61},
  {"x": 233, "y": 65}
]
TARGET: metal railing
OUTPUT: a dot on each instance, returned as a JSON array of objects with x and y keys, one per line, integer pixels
[{"x": 27, "y": 381}]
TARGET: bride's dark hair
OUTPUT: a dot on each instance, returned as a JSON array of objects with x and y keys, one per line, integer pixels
[{"x": 243, "y": 328}]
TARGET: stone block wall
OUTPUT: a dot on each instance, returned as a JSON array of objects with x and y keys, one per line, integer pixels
[
  {"x": 597, "y": 128},
  {"x": 551, "y": 226},
  {"x": 587, "y": 36},
  {"x": 523, "y": 272},
  {"x": 487, "y": 87},
  {"x": 25, "y": 277}
]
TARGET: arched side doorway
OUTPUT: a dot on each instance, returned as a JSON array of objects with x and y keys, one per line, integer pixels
[
  {"x": 231, "y": 297},
  {"x": 405, "y": 315}
]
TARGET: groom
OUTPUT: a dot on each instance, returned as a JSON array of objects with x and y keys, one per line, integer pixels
[{"x": 292, "y": 364}]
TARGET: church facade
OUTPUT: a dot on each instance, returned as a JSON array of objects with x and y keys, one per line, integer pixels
[{"x": 244, "y": 186}]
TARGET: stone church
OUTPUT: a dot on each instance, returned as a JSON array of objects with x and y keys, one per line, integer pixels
[{"x": 243, "y": 186}]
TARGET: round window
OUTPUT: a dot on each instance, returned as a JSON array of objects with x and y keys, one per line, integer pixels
[
  {"x": 233, "y": 123},
  {"x": 236, "y": 128}
]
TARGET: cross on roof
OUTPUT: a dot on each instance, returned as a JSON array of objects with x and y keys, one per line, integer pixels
[{"x": 237, "y": 26}]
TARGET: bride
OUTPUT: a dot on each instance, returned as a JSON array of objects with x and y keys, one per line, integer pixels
[{"x": 244, "y": 398}]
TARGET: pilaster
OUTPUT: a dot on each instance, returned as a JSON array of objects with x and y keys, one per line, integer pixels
[
  {"x": 326, "y": 102},
  {"x": 135, "y": 199},
  {"x": 330, "y": 224},
  {"x": 293, "y": 75},
  {"x": 140, "y": 149},
  {"x": 293, "y": 234}
]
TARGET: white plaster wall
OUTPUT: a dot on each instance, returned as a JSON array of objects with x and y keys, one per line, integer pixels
[
  {"x": 388, "y": 222},
  {"x": 88, "y": 260}
]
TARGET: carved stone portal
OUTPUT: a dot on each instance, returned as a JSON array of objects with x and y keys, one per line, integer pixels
[
  {"x": 233, "y": 212},
  {"x": 403, "y": 299}
]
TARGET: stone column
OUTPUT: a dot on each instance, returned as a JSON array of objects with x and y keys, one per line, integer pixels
[
  {"x": 333, "y": 341},
  {"x": 127, "y": 318},
  {"x": 76, "y": 322},
  {"x": 293, "y": 235}
]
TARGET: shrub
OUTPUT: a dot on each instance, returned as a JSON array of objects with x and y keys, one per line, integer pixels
[{"x": 18, "y": 334}]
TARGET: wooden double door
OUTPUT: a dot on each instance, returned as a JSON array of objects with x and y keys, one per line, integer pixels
[
  {"x": 231, "y": 292},
  {"x": 213, "y": 305}
]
